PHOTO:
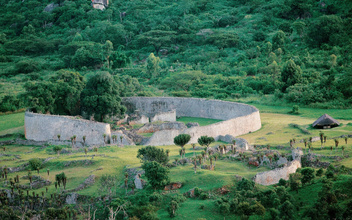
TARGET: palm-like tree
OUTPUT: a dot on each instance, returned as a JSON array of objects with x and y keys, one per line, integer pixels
[
  {"x": 180, "y": 152},
  {"x": 325, "y": 137},
  {"x": 305, "y": 143},
  {"x": 84, "y": 140},
  {"x": 85, "y": 151},
  {"x": 176, "y": 160},
  {"x": 211, "y": 162},
  {"x": 346, "y": 138},
  {"x": 321, "y": 134},
  {"x": 336, "y": 144},
  {"x": 343, "y": 150},
  {"x": 199, "y": 157},
  {"x": 167, "y": 152},
  {"x": 331, "y": 150},
  {"x": 309, "y": 146},
  {"x": 194, "y": 146},
  {"x": 194, "y": 160},
  {"x": 58, "y": 136}
]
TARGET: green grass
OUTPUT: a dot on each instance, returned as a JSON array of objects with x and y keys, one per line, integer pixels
[
  {"x": 200, "y": 121},
  {"x": 12, "y": 123}
]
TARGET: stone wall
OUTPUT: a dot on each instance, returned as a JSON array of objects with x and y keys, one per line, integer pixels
[
  {"x": 238, "y": 118},
  {"x": 169, "y": 116},
  {"x": 273, "y": 176},
  {"x": 40, "y": 127}
]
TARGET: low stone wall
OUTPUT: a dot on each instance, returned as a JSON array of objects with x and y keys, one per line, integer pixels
[
  {"x": 238, "y": 118},
  {"x": 273, "y": 176},
  {"x": 40, "y": 127}
]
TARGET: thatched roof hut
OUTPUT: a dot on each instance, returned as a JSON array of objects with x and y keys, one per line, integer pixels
[{"x": 325, "y": 121}]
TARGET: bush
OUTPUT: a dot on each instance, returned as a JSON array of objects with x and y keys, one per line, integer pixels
[
  {"x": 320, "y": 172},
  {"x": 245, "y": 184},
  {"x": 282, "y": 182},
  {"x": 35, "y": 163},
  {"x": 27, "y": 66}
]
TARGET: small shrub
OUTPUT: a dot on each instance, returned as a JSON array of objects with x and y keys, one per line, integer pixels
[
  {"x": 282, "y": 182},
  {"x": 320, "y": 172},
  {"x": 35, "y": 163},
  {"x": 27, "y": 66},
  {"x": 204, "y": 195}
]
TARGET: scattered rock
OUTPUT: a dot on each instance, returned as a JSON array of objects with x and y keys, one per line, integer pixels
[
  {"x": 87, "y": 182},
  {"x": 173, "y": 186},
  {"x": 78, "y": 163},
  {"x": 37, "y": 182},
  {"x": 19, "y": 168},
  {"x": 223, "y": 191}
]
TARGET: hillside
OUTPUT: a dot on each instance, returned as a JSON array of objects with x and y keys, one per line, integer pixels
[{"x": 274, "y": 52}]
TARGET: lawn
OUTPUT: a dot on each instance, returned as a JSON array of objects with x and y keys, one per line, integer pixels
[
  {"x": 12, "y": 123},
  {"x": 200, "y": 121}
]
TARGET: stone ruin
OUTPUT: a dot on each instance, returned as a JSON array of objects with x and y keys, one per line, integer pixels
[{"x": 237, "y": 119}]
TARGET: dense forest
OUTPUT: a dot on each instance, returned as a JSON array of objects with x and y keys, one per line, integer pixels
[{"x": 280, "y": 51}]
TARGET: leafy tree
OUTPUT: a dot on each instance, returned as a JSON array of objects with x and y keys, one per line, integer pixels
[
  {"x": 57, "y": 149},
  {"x": 287, "y": 211},
  {"x": 291, "y": 74},
  {"x": 205, "y": 141},
  {"x": 327, "y": 29},
  {"x": 182, "y": 139},
  {"x": 172, "y": 208},
  {"x": 60, "y": 95},
  {"x": 245, "y": 184},
  {"x": 156, "y": 174},
  {"x": 223, "y": 40},
  {"x": 153, "y": 67},
  {"x": 100, "y": 98},
  {"x": 279, "y": 40},
  {"x": 157, "y": 39},
  {"x": 308, "y": 175},
  {"x": 35, "y": 163},
  {"x": 151, "y": 153},
  {"x": 295, "y": 181}
]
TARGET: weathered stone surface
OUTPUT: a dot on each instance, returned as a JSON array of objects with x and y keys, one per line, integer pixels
[
  {"x": 150, "y": 128},
  {"x": 281, "y": 161},
  {"x": 273, "y": 176},
  {"x": 40, "y": 127},
  {"x": 240, "y": 142},
  {"x": 125, "y": 139},
  {"x": 19, "y": 168},
  {"x": 142, "y": 119},
  {"x": 136, "y": 138},
  {"x": 192, "y": 124},
  {"x": 71, "y": 198},
  {"x": 169, "y": 116},
  {"x": 297, "y": 153},
  {"x": 239, "y": 118},
  {"x": 138, "y": 182}
]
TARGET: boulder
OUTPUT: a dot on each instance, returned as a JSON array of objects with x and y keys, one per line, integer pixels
[
  {"x": 71, "y": 198},
  {"x": 173, "y": 186},
  {"x": 240, "y": 142}
]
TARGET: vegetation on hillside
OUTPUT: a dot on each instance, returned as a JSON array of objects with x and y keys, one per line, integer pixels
[{"x": 293, "y": 51}]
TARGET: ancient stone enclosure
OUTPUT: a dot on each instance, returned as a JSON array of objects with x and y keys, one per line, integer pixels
[{"x": 238, "y": 118}]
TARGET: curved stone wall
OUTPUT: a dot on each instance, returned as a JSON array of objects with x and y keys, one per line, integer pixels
[
  {"x": 273, "y": 176},
  {"x": 238, "y": 118},
  {"x": 40, "y": 127}
]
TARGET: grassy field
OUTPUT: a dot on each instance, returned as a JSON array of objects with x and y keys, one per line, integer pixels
[
  {"x": 200, "y": 121},
  {"x": 114, "y": 160},
  {"x": 12, "y": 123}
]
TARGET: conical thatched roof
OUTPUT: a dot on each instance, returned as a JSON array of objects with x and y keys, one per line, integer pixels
[{"x": 325, "y": 121}]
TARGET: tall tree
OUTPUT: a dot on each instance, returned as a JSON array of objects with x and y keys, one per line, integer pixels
[
  {"x": 100, "y": 98},
  {"x": 291, "y": 74},
  {"x": 156, "y": 174},
  {"x": 157, "y": 39}
]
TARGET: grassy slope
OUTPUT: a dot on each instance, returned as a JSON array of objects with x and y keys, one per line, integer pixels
[{"x": 13, "y": 123}]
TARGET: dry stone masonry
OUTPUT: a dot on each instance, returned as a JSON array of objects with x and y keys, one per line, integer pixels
[
  {"x": 238, "y": 118},
  {"x": 40, "y": 127}
]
